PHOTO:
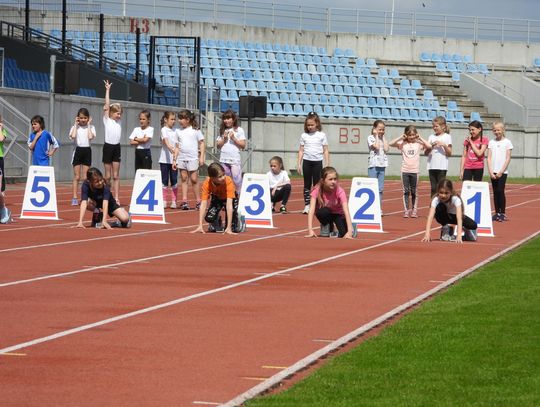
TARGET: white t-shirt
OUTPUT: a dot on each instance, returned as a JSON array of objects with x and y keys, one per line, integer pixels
[
  {"x": 376, "y": 158},
  {"x": 113, "y": 130},
  {"x": 140, "y": 133},
  {"x": 450, "y": 205},
  {"x": 281, "y": 178},
  {"x": 188, "y": 141},
  {"x": 313, "y": 145},
  {"x": 82, "y": 135},
  {"x": 166, "y": 156},
  {"x": 437, "y": 159},
  {"x": 230, "y": 153},
  {"x": 498, "y": 150}
]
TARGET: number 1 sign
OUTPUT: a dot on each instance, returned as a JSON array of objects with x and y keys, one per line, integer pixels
[
  {"x": 475, "y": 197},
  {"x": 147, "y": 198},
  {"x": 254, "y": 203},
  {"x": 40, "y": 194},
  {"x": 365, "y": 205}
]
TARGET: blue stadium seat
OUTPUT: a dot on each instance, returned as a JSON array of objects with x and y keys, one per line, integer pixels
[
  {"x": 476, "y": 116},
  {"x": 446, "y": 58},
  {"x": 456, "y": 76},
  {"x": 451, "y": 105},
  {"x": 482, "y": 68},
  {"x": 459, "y": 117},
  {"x": 425, "y": 57},
  {"x": 428, "y": 94},
  {"x": 435, "y": 57},
  {"x": 440, "y": 67},
  {"x": 467, "y": 59},
  {"x": 456, "y": 58},
  {"x": 472, "y": 68}
]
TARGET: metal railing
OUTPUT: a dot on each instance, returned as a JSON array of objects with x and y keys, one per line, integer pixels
[
  {"x": 18, "y": 126},
  {"x": 288, "y": 16}
]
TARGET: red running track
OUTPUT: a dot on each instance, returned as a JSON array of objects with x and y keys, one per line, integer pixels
[{"x": 157, "y": 316}]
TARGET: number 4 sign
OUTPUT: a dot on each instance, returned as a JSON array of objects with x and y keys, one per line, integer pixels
[
  {"x": 365, "y": 205},
  {"x": 254, "y": 203},
  {"x": 40, "y": 194},
  {"x": 475, "y": 197},
  {"x": 147, "y": 198}
]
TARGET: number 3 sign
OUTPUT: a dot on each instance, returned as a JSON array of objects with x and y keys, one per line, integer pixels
[
  {"x": 147, "y": 198},
  {"x": 40, "y": 194},
  {"x": 365, "y": 205},
  {"x": 254, "y": 203}
]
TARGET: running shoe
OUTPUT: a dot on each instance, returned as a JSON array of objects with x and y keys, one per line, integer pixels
[
  {"x": 325, "y": 230},
  {"x": 306, "y": 209},
  {"x": 5, "y": 215},
  {"x": 184, "y": 206},
  {"x": 282, "y": 209},
  {"x": 414, "y": 213},
  {"x": 406, "y": 214},
  {"x": 173, "y": 205},
  {"x": 74, "y": 202}
]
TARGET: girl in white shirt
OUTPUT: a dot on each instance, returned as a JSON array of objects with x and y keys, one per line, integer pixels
[
  {"x": 280, "y": 184},
  {"x": 168, "y": 145},
  {"x": 441, "y": 149},
  {"x": 313, "y": 153},
  {"x": 189, "y": 155},
  {"x": 112, "y": 117},
  {"x": 81, "y": 133},
  {"x": 141, "y": 137},
  {"x": 378, "y": 160},
  {"x": 231, "y": 140},
  {"x": 499, "y": 155}
]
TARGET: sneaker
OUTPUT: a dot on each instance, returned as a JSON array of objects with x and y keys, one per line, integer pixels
[
  {"x": 5, "y": 215},
  {"x": 325, "y": 230},
  {"x": 406, "y": 214},
  {"x": 447, "y": 233},
  {"x": 115, "y": 223},
  {"x": 127, "y": 225},
  {"x": 97, "y": 217},
  {"x": 306, "y": 209},
  {"x": 334, "y": 234},
  {"x": 282, "y": 209},
  {"x": 198, "y": 205},
  {"x": 184, "y": 206},
  {"x": 470, "y": 235},
  {"x": 215, "y": 226},
  {"x": 241, "y": 225},
  {"x": 502, "y": 217},
  {"x": 74, "y": 202},
  {"x": 414, "y": 213},
  {"x": 173, "y": 205},
  {"x": 495, "y": 217}
]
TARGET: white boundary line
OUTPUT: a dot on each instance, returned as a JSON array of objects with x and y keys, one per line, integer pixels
[
  {"x": 310, "y": 359},
  {"x": 193, "y": 296}
]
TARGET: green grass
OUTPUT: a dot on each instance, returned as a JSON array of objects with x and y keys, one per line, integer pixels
[{"x": 476, "y": 344}]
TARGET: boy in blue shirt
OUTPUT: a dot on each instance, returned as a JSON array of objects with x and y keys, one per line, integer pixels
[{"x": 42, "y": 143}]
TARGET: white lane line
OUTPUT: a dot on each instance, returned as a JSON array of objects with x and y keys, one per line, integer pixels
[
  {"x": 197, "y": 295},
  {"x": 145, "y": 259},
  {"x": 308, "y": 360}
]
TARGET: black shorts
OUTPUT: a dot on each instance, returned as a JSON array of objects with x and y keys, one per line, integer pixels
[
  {"x": 111, "y": 153},
  {"x": 82, "y": 156}
]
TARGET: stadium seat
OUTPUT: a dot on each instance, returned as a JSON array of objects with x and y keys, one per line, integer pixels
[
  {"x": 451, "y": 105},
  {"x": 425, "y": 57},
  {"x": 476, "y": 116},
  {"x": 428, "y": 94},
  {"x": 456, "y": 76}
]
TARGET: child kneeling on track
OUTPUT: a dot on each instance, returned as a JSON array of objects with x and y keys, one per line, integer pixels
[
  {"x": 447, "y": 209},
  {"x": 220, "y": 189},
  {"x": 329, "y": 204},
  {"x": 96, "y": 196}
]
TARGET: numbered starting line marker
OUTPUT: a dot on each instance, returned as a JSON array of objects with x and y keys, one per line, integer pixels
[
  {"x": 365, "y": 205},
  {"x": 475, "y": 197},
  {"x": 147, "y": 198},
  {"x": 40, "y": 194},
  {"x": 255, "y": 204}
]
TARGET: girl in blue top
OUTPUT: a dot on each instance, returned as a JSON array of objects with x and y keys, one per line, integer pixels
[{"x": 42, "y": 143}]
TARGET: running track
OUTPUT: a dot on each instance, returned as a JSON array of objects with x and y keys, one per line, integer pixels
[{"x": 156, "y": 316}]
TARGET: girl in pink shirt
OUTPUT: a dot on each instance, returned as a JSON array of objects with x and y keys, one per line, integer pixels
[
  {"x": 474, "y": 149},
  {"x": 329, "y": 204},
  {"x": 411, "y": 145}
]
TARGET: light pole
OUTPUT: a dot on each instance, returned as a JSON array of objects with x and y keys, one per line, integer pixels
[{"x": 392, "y": 18}]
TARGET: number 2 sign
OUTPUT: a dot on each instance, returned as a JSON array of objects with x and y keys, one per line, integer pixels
[
  {"x": 147, "y": 198},
  {"x": 40, "y": 194},
  {"x": 365, "y": 205}
]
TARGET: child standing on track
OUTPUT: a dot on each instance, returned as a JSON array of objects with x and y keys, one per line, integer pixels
[
  {"x": 5, "y": 212},
  {"x": 112, "y": 116},
  {"x": 97, "y": 198},
  {"x": 231, "y": 140},
  {"x": 42, "y": 143},
  {"x": 312, "y": 154},
  {"x": 168, "y": 145},
  {"x": 499, "y": 155},
  {"x": 447, "y": 209},
  {"x": 474, "y": 148},
  {"x": 189, "y": 155},
  {"x": 280, "y": 184},
  {"x": 438, "y": 153},
  {"x": 378, "y": 160},
  {"x": 219, "y": 189},
  {"x": 141, "y": 137},
  {"x": 410, "y": 144},
  {"x": 329, "y": 204},
  {"x": 3, "y": 138},
  {"x": 81, "y": 134}
]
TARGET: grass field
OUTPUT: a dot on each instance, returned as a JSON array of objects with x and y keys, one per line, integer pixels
[{"x": 477, "y": 344}]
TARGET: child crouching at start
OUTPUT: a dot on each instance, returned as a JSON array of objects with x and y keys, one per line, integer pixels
[
  {"x": 447, "y": 209},
  {"x": 220, "y": 190},
  {"x": 96, "y": 197}
]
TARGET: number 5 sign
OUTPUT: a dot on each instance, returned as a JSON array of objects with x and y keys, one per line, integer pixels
[
  {"x": 254, "y": 203},
  {"x": 475, "y": 197},
  {"x": 147, "y": 198},
  {"x": 40, "y": 194},
  {"x": 365, "y": 205}
]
